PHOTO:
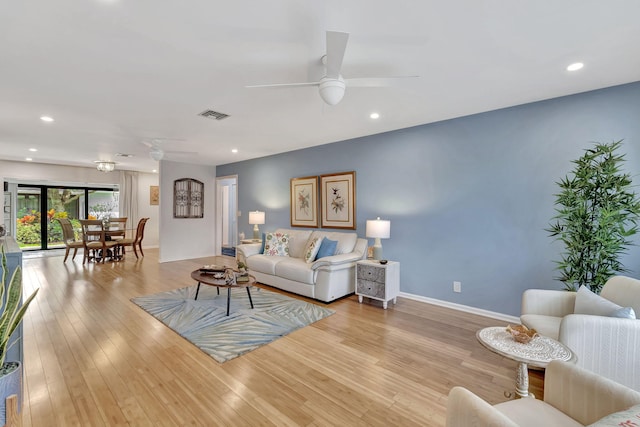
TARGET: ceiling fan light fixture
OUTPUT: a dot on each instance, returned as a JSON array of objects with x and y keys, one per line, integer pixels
[
  {"x": 105, "y": 166},
  {"x": 332, "y": 90},
  {"x": 156, "y": 154}
]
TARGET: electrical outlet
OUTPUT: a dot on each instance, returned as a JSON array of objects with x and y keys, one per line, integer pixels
[{"x": 457, "y": 287}]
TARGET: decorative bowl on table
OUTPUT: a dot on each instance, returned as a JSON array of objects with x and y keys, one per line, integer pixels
[
  {"x": 213, "y": 269},
  {"x": 521, "y": 333}
]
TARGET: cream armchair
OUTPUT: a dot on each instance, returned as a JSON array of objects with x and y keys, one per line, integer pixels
[
  {"x": 573, "y": 396},
  {"x": 605, "y": 345}
]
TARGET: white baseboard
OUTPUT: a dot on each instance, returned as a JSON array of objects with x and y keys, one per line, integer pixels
[{"x": 461, "y": 307}]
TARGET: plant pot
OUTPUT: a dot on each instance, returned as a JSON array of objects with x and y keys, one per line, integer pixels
[{"x": 10, "y": 383}]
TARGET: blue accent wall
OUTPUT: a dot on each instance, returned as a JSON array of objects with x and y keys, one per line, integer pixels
[{"x": 468, "y": 198}]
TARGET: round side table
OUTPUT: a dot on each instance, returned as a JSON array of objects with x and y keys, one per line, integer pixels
[{"x": 538, "y": 353}]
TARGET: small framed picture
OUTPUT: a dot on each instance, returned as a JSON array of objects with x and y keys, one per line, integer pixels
[
  {"x": 154, "y": 195},
  {"x": 338, "y": 209},
  {"x": 304, "y": 202}
]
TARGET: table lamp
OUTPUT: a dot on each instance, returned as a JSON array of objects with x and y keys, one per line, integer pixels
[
  {"x": 378, "y": 229},
  {"x": 256, "y": 218}
]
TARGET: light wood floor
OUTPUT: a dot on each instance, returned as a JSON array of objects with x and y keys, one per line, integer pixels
[{"x": 93, "y": 358}]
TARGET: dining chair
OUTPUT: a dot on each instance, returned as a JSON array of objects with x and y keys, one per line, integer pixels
[
  {"x": 136, "y": 241},
  {"x": 69, "y": 237},
  {"x": 117, "y": 228},
  {"x": 95, "y": 244}
]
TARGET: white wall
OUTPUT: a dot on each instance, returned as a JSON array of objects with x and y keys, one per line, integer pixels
[
  {"x": 185, "y": 238},
  {"x": 146, "y": 210},
  {"x": 71, "y": 175}
]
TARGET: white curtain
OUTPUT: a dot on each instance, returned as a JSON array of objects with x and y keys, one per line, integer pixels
[{"x": 129, "y": 197}]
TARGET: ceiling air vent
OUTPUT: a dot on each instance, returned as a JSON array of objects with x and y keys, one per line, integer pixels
[{"x": 210, "y": 114}]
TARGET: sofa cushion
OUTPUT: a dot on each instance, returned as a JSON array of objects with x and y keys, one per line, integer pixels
[
  {"x": 628, "y": 417},
  {"x": 312, "y": 248},
  {"x": 264, "y": 263},
  {"x": 276, "y": 244},
  {"x": 548, "y": 326},
  {"x": 297, "y": 241},
  {"x": 588, "y": 302},
  {"x": 535, "y": 413},
  {"x": 346, "y": 241},
  {"x": 327, "y": 248},
  {"x": 295, "y": 269}
]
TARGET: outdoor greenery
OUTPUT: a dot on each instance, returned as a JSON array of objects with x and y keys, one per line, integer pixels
[
  {"x": 597, "y": 214},
  {"x": 11, "y": 313}
]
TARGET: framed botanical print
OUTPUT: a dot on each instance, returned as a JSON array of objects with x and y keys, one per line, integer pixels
[
  {"x": 304, "y": 202},
  {"x": 338, "y": 193}
]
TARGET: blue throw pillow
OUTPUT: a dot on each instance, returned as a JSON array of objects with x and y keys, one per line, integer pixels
[
  {"x": 262, "y": 247},
  {"x": 327, "y": 248}
]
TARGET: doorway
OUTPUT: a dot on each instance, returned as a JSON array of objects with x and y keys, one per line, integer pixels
[{"x": 227, "y": 215}]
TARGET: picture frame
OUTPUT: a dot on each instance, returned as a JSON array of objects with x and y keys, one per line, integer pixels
[
  {"x": 338, "y": 207},
  {"x": 304, "y": 202},
  {"x": 154, "y": 195}
]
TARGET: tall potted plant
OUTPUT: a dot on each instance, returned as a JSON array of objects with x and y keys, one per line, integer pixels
[
  {"x": 597, "y": 213},
  {"x": 11, "y": 314}
]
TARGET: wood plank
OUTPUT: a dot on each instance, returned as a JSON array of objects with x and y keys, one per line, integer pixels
[{"x": 94, "y": 358}]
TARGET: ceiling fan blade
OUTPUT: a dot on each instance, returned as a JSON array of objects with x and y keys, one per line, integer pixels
[
  {"x": 336, "y": 46},
  {"x": 374, "y": 81},
  {"x": 286, "y": 84}
]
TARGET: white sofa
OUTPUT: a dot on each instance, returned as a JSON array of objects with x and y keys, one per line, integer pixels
[
  {"x": 608, "y": 346},
  {"x": 573, "y": 396},
  {"x": 325, "y": 279}
]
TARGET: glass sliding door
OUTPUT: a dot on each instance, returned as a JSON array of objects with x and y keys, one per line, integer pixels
[
  {"x": 38, "y": 206},
  {"x": 63, "y": 203},
  {"x": 29, "y": 217}
]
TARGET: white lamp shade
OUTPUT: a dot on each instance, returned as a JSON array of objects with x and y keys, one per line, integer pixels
[
  {"x": 256, "y": 217},
  {"x": 378, "y": 228}
]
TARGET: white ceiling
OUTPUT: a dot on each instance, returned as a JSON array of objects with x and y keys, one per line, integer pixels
[{"x": 113, "y": 73}]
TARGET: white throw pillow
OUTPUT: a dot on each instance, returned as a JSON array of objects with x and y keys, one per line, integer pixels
[
  {"x": 312, "y": 248},
  {"x": 629, "y": 417},
  {"x": 588, "y": 302}
]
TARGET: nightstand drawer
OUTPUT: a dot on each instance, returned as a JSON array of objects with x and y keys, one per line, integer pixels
[
  {"x": 371, "y": 273},
  {"x": 370, "y": 289}
]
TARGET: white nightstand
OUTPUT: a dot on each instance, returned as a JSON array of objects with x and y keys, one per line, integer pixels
[{"x": 378, "y": 281}]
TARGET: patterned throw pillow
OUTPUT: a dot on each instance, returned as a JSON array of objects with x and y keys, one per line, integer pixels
[
  {"x": 311, "y": 250},
  {"x": 276, "y": 244},
  {"x": 630, "y": 417}
]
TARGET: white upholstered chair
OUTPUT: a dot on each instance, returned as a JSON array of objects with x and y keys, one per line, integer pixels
[
  {"x": 573, "y": 396},
  {"x": 608, "y": 346}
]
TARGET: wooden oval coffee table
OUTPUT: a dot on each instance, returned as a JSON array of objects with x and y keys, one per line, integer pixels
[{"x": 208, "y": 279}]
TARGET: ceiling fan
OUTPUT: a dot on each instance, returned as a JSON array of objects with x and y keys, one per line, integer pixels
[
  {"x": 332, "y": 86},
  {"x": 157, "y": 152}
]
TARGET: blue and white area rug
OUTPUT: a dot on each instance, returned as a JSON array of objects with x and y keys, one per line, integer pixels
[{"x": 205, "y": 324}]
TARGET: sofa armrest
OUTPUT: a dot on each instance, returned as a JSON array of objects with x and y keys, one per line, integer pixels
[
  {"x": 548, "y": 302},
  {"x": 246, "y": 250},
  {"x": 583, "y": 395},
  {"x": 337, "y": 260},
  {"x": 465, "y": 409},
  {"x": 605, "y": 345}
]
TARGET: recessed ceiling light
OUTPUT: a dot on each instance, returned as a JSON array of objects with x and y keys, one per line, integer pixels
[
  {"x": 155, "y": 171},
  {"x": 46, "y": 119},
  {"x": 374, "y": 116},
  {"x": 28, "y": 159},
  {"x": 575, "y": 66},
  {"x": 235, "y": 150},
  {"x": 33, "y": 149}
]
